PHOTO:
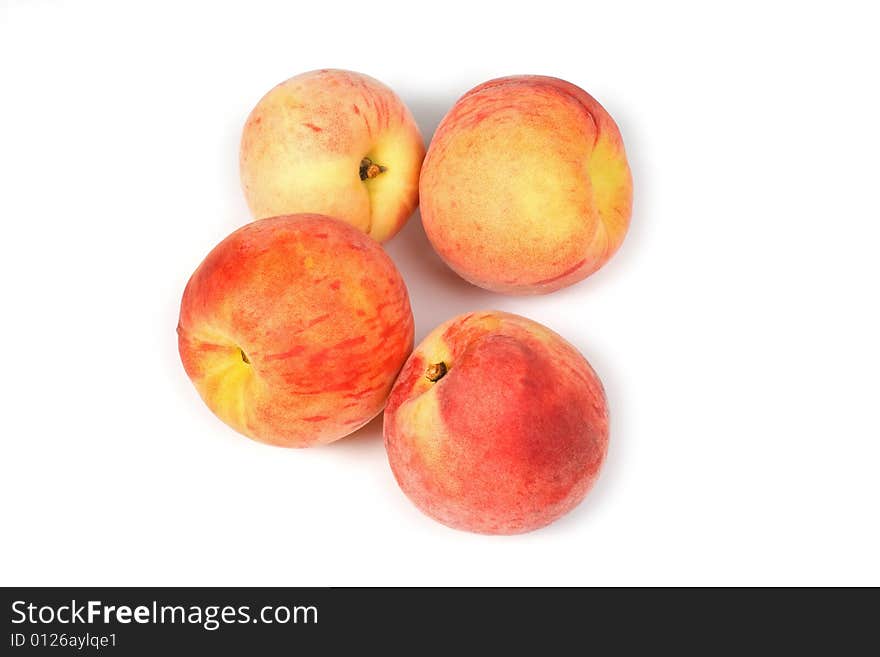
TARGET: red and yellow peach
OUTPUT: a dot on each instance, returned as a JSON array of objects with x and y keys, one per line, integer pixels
[
  {"x": 294, "y": 328},
  {"x": 526, "y": 188},
  {"x": 334, "y": 142},
  {"x": 496, "y": 424}
]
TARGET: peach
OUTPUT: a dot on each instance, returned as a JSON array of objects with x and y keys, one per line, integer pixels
[
  {"x": 293, "y": 329},
  {"x": 334, "y": 142},
  {"x": 526, "y": 188},
  {"x": 496, "y": 424}
]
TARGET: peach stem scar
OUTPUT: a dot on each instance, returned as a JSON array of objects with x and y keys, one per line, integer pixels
[
  {"x": 436, "y": 371},
  {"x": 370, "y": 169}
]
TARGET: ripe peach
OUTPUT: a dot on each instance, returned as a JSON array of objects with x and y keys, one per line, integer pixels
[
  {"x": 334, "y": 142},
  {"x": 293, "y": 329},
  {"x": 525, "y": 188},
  {"x": 496, "y": 424}
]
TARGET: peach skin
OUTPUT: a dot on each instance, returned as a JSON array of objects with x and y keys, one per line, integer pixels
[
  {"x": 526, "y": 188},
  {"x": 294, "y": 328},
  {"x": 496, "y": 424},
  {"x": 334, "y": 142}
]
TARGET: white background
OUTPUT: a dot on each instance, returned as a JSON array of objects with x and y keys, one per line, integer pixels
[{"x": 736, "y": 331}]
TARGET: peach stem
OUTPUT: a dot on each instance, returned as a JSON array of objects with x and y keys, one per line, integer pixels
[
  {"x": 436, "y": 371},
  {"x": 370, "y": 169}
]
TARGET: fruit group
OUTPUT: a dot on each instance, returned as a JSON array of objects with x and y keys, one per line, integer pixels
[
  {"x": 293, "y": 329},
  {"x": 334, "y": 142},
  {"x": 496, "y": 424},
  {"x": 526, "y": 188}
]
